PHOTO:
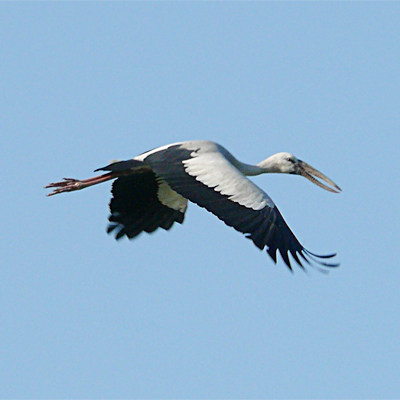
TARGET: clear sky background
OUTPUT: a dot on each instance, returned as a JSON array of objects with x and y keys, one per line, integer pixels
[{"x": 199, "y": 312}]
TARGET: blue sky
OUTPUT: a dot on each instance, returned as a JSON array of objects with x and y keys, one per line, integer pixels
[{"x": 199, "y": 312}]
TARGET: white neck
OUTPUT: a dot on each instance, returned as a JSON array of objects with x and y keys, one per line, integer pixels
[
  {"x": 269, "y": 165},
  {"x": 251, "y": 170},
  {"x": 264, "y": 167},
  {"x": 246, "y": 169}
]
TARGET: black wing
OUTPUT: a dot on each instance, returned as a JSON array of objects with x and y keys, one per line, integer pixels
[
  {"x": 135, "y": 206},
  {"x": 265, "y": 227}
]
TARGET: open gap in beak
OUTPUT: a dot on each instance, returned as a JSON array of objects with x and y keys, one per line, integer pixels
[{"x": 312, "y": 174}]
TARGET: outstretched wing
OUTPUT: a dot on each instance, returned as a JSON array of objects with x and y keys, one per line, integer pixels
[
  {"x": 207, "y": 178},
  {"x": 142, "y": 201}
]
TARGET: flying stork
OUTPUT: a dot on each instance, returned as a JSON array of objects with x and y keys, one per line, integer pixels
[{"x": 152, "y": 190}]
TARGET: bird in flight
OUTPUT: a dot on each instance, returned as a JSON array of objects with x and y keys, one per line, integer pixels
[{"x": 152, "y": 190}]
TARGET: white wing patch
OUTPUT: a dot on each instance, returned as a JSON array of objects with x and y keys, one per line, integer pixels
[
  {"x": 170, "y": 198},
  {"x": 142, "y": 156},
  {"x": 215, "y": 171}
]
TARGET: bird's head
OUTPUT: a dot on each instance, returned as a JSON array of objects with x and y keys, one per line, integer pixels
[{"x": 286, "y": 163}]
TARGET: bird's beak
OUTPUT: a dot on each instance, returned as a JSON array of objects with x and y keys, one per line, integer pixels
[{"x": 311, "y": 174}]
